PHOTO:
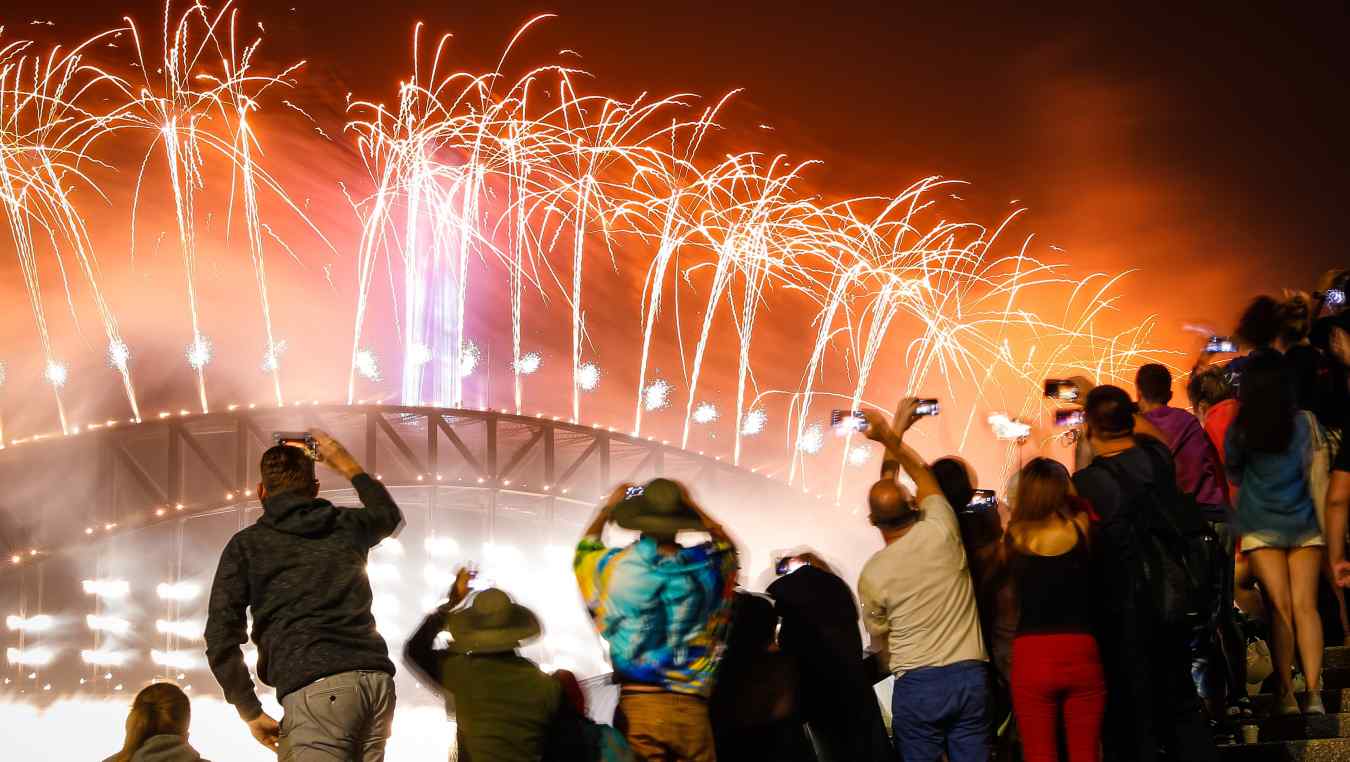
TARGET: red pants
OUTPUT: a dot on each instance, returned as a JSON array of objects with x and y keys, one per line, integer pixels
[{"x": 1053, "y": 674}]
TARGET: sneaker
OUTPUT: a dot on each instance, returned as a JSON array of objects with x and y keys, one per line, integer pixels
[
  {"x": 1313, "y": 704},
  {"x": 1287, "y": 705}
]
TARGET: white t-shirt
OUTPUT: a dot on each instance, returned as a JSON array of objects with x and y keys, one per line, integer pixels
[{"x": 917, "y": 598}]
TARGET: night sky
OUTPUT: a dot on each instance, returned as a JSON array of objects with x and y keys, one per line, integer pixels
[
  {"x": 1204, "y": 147},
  {"x": 1207, "y": 138}
]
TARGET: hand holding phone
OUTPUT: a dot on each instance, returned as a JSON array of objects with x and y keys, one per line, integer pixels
[
  {"x": 982, "y": 500},
  {"x": 1069, "y": 418},
  {"x": 927, "y": 406},
  {"x": 1061, "y": 389},
  {"x": 844, "y": 421}
]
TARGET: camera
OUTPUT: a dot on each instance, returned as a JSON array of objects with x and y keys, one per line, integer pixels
[
  {"x": 927, "y": 407},
  {"x": 1060, "y": 389},
  {"x": 300, "y": 439},
  {"x": 1220, "y": 345},
  {"x": 982, "y": 500},
  {"x": 1069, "y": 418},
  {"x": 848, "y": 420}
]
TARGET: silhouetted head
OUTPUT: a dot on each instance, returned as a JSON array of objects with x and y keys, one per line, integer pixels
[
  {"x": 1209, "y": 387},
  {"x": 956, "y": 480},
  {"x": 159, "y": 709},
  {"x": 1295, "y": 320},
  {"x": 1043, "y": 490},
  {"x": 890, "y": 507},
  {"x": 286, "y": 469},
  {"x": 1109, "y": 414},
  {"x": 1260, "y": 323},
  {"x": 753, "y": 624},
  {"x": 1153, "y": 382}
]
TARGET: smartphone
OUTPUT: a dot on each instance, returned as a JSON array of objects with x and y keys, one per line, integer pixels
[
  {"x": 983, "y": 500},
  {"x": 1069, "y": 418},
  {"x": 300, "y": 439},
  {"x": 1062, "y": 390},
  {"x": 1335, "y": 297},
  {"x": 927, "y": 407},
  {"x": 1220, "y": 344},
  {"x": 848, "y": 420}
]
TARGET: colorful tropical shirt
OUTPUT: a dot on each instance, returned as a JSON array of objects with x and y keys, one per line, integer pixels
[{"x": 665, "y": 617}]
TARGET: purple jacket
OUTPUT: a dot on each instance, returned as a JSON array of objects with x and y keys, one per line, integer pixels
[{"x": 1199, "y": 469}]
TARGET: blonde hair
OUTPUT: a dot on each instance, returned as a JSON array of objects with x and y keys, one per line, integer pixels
[{"x": 159, "y": 709}]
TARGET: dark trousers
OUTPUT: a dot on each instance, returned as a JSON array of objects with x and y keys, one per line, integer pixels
[{"x": 1152, "y": 712}]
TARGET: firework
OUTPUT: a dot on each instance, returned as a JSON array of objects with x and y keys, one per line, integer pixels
[
  {"x": 119, "y": 355},
  {"x": 656, "y": 395},
  {"x": 419, "y": 355},
  {"x": 812, "y": 439},
  {"x": 469, "y": 355},
  {"x": 199, "y": 352},
  {"x": 534, "y": 183},
  {"x": 588, "y": 377},
  {"x": 754, "y": 422},
  {"x": 368, "y": 365},
  {"x": 56, "y": 374},
  {"x": 705, "y": 413},
  {"x": 859, "y": 455},
  {"x": 527, "y": 364},
  {"x": 271, "y": 361}
]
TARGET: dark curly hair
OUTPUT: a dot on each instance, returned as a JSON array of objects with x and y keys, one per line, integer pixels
[{"x": 1260, "y": 323}]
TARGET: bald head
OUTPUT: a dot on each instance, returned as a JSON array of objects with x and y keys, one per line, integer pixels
[{"x": 889, "y": 505}]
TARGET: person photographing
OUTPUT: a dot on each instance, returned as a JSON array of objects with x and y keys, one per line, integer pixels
[
  {"x": 300, "y": 571},
  {"x": 918, "y": 604}
]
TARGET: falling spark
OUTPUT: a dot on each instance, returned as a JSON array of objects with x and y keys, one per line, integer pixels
[
  {"x": 119, "y": 354},
  {"x": 656, "y": 395},
  {"x": 272, "y": 357},
  {"x": 419, "y": 355},
  {"x": 754, "y": 422},
  {"x": 706, "y": 412},
  {"x": 368, "y": 365},
  {"x": 468, "y": 358},
  {"x": 588, "y": 376},
  {"x": 56, "y": 374},
  {"x": 812, "y": 439},
  {"x": 198, "y": 352},
  {"x": 858, "y": 455},
  {"x": 528, "y": 363}
]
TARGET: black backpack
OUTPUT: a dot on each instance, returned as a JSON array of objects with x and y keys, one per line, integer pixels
[{"x": 1178, "y": 555}]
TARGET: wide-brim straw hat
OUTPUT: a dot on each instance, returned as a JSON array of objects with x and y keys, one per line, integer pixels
[
  {"x": 493, "y": 623},
  {"x": 659, "y": 507}
]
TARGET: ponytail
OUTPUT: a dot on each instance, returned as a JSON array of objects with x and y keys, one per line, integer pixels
[{"x": 159, "y": 709}]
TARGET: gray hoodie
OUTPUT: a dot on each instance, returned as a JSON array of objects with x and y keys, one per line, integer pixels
[{"x": 165, "y": 748}]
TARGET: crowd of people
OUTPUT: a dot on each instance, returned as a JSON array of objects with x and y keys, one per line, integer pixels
[{"x": 1108, "y": 609}]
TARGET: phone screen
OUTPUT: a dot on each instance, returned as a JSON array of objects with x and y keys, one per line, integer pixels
[
  {"x": 1220, "y": 344},
  {"x": 848, "y": 420},
  {"x": 927, "y": 407},
  {"x": 1068, "y": 418},
  {"x": 983, "y": 500}
]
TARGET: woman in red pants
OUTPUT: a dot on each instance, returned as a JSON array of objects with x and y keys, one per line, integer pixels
[{"x": 1055, "y": 665}]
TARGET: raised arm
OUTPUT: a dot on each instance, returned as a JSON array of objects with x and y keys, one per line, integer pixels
[
  {"x": 909, "y": 459},
  {"x": 424, "y": 662},
  {"x": 381, "y": 516}
]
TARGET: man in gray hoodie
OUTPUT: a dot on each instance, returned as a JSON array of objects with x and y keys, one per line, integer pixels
[{"x": 300, "y": 570}]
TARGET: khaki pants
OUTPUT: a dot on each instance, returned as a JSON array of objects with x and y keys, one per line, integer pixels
[
  {"x": 666, "y": 727},
  {"x": 345, "y": 717}
]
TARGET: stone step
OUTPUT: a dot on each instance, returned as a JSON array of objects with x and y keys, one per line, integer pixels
[
  {"x": 1336, "y": 657},
  {"x": 1334, "y": 700},
  {"x": 1300, "y": 727},
  {"x": 1318, "y": 750}
]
